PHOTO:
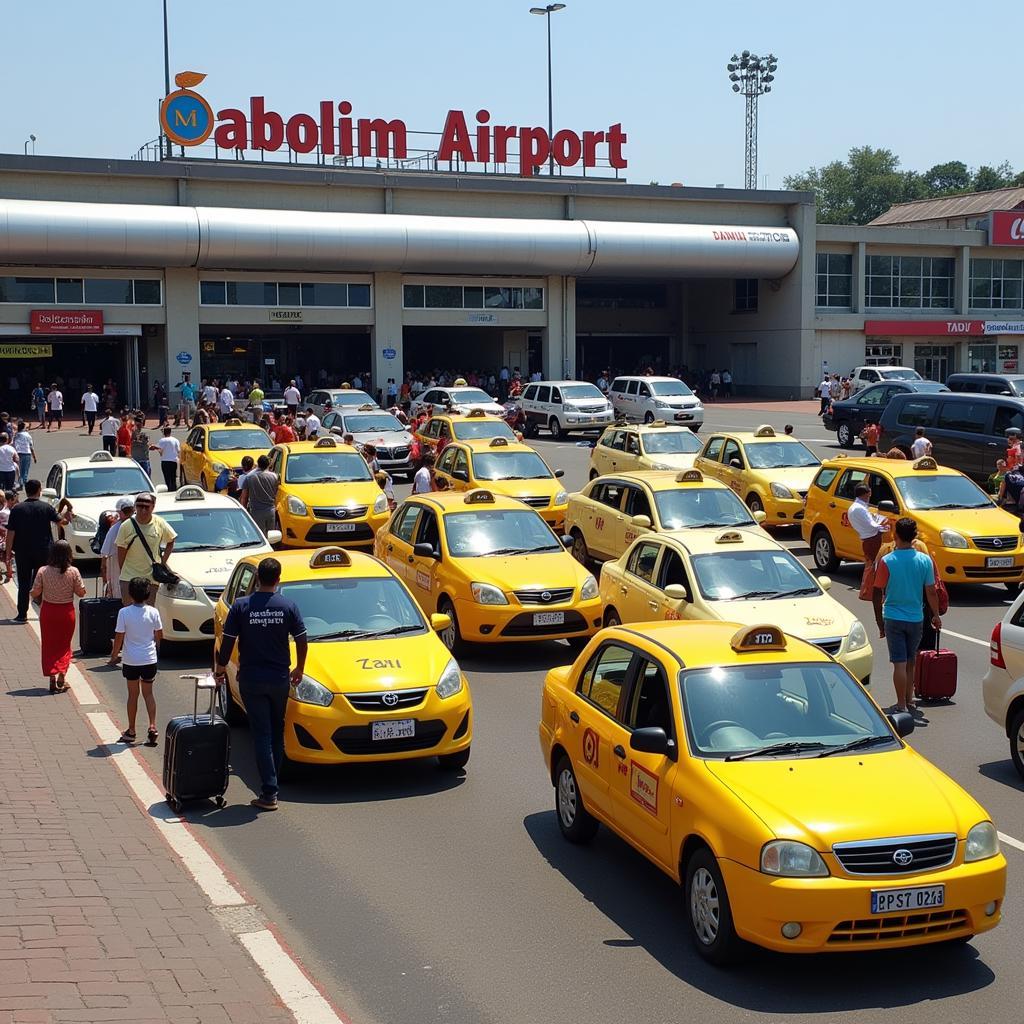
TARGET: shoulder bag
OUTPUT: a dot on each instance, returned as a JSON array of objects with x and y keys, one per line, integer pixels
[{"x": 161, "y": 574}]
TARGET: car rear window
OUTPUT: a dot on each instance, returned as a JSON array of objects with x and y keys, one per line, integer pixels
[{"x": 917, "y": 412}]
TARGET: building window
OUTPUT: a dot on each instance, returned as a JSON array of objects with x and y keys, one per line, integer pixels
[
  {"x": 449, "y": 296},
  {"x": 26, "y": 289},
  {"x": 883, "y": 354},
  {"x": 909, "y": 282},
  {"x": 100, "y": 291},
  {"x": 621, "y": 295},
  {"x": 834, "y": 280},
  {"x": 745, "y": 298},
  {"x": 981, "y": 358},
  {"x": 997, "y": 284},
  {"x": 284, "y": 293},
  {"x": 146, "y": 293}
]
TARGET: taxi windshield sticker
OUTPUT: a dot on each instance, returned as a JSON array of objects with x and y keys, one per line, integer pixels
[
  {"x": 643, "y": 787},
  {"x": 591, "y": 747}
]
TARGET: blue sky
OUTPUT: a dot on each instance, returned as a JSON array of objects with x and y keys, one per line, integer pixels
[{"x": 86, "y": 77}]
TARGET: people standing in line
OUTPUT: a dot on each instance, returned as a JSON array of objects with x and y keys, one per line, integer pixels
[
  {"x": 109, "y": 426},
  {"x": 292, "y": 397},
  {"x": 110, "y": 566},
  {"x": 423, "y": 480},
  {"x": 55, "y": 407},
  {"x": 921, "y": 445},
  {"x": 10, "y": 471},
  {"x": 90, "y": 403},
  {"x": 716, "y": 383},
  {"x": 170, "y": 452},
  {"x": 261, "y": 624},
  {"x": 137, "y": 636},
  {"x": 869, "y": 435},
  {"x": 140, "y": 446},
  {"x": 260, "y": 495},
  {"x": 7, "y": 501},
  {"x": 39, "y": 404},
  {"x": 56, "y": 585},
  {"x": 29, "y": 535},
  {"x": 142, "y": 541},
  {"x": 26, "y": 452},
  {"x": 900, "y": 578}
]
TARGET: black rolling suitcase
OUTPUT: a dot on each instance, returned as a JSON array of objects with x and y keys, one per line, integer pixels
[
  {"x": 97, "y": 617},
  {"x": 196, "y": 752}
]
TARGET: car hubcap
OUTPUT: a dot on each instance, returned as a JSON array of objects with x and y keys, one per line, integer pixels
[
  {"x": 704, "y": 907},
  {"x": 579, "y": 550},
  {"x": 844, "y": 434},
  {"x": 822, "y": 552},
  {"x": 755, "y": 505},
  {"x": 613, "y": 620},
  {"x": 1020, "y": 744},
  {"x": 567, "y": 798},
  {"x": 448, "y": 634}
]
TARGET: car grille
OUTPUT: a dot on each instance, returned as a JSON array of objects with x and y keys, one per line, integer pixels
[
  {"x": 536, "y": 500},
  {"x": 553, "y": 596},
  {"x": 992, "y": 574},
  {"x": 905, "y": 926},
  {"x": 522, "y": 625},
  {"x": 355, "y": 739},
  {"x": 339, "y": 512},
  {"x": 1008, "y": 543},
  {"x": 830, "y": 645},
  {"x": 393, "y": 453},
  {"x": 376, "y": 702},
  {"x": 590, "y": 408},
  {"x": 213, "y": 593},
  {"x": 877, "y": 856}
]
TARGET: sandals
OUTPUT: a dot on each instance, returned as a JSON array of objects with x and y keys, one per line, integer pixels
[
  {"x": 151, "y": 738},
  {"x": 127, "y": 737},
  {"x": 53, "y": 685}
]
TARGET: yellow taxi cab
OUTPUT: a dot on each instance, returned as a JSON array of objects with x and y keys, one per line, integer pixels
[
  {"x": 770, "y": 473},
  {"x": 610, "y": 512},
  {"x": 506, "y": 467},
  {"x": 474, "y": 425},
  {"x": 754, "y": 770},
  {"x": 326, "y": 493},
  {"x": 378, "y": 685},
  {"x": 970, "y": 537},
  {"x": 492, "y": 565},
  {"x": 210, "y": 448},
  {"x": 735, "y": 576},
  {"x": 635, "y": 446}
]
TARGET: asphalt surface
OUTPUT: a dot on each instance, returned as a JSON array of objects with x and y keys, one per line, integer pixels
[{"x": 413, "y": 895}]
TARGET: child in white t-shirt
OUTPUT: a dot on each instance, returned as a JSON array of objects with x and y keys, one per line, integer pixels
[{"x": 138, "y": 634}]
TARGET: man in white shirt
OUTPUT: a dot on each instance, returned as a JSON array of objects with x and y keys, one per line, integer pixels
[
  {"x": 9, "y": 464},
  {"x": 109, "y": 426},
  {"x": 209, "y": 392},
  {"x": 55, "y": 407},
  {"x": 312, "y": 425},
  {"x": 227, "y": 401},
  {"x": 357, "y": 382},
  {"x": 170, "y": 452},
  {"x": 824, "y": 393},
  {"x": 921, "y": 446},
  {"x": 26, "y": 451},
  {"x": 292, "y": 397},
  {"x": 422, "y": 482},
  {"x": 90, "y": 403},
  {"x": 868, "y": 526},
  {"x": 110, "y": 569}
]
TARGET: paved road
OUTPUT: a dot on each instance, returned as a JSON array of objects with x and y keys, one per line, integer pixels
[{"x": 415, "y": 897}]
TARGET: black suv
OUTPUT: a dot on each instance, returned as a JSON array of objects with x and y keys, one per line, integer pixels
[
  {"x": 987, "y": 383},
  {"x": 848, "y": 416}
]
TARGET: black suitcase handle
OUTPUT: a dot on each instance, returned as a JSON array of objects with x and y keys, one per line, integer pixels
[{"x": 203, "y": 682}]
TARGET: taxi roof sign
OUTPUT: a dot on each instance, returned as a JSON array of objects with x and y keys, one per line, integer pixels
[
  {"x": 925, "y": 462},
  {"x": 765, "y": 430},
  {"x": 690, "y": 476},
  {"x": 498, "y": 442},
  {"x": 101, "y": 456},
  {"x": 330, "y": 558},
  {"x": 656, "y": 423},
  {"x": 729, "y": 537},
  {"x": 476, "y": 412},
  {"x": 367, "y": 406},
  {"x": 326, "y": 442},
  {"x": 234, "y": 421},
  {"x": 190, "y": 492},
  {"x": 764, "y": 637},
  {"x": 479, "y": 496}
]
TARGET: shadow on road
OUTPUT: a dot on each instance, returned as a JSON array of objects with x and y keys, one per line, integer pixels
[{"x": 1003, "y": 772}]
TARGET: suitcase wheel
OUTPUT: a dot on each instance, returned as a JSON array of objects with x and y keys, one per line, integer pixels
[
  {"x": 221, "y": 802},
  {"x": 172, "y": 803}
]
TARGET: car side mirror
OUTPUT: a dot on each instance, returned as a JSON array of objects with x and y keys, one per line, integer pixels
[
  {"x": 677, "y": 592},
  {"x": 160, "y": 489},
  {"x": 440, "y": 622},
  {"x": 735, "y": 463},
  {"x": 274, "y": 537},
  {"x": 759, "y": 516},
  {"x": 887, "y": 506},
  {"x": 902, "y": 722},
  {"x": 567, "y": 540},
  {"x": 643, "y": 522},
  {"x": 49, "y": 492},
  {"x": 460, "y": 474},
  {"x": 426, "y": 551},
  {"x": 559, "y": 473},
  {"x": 825, "y": 582},
  {"x": 652, "y": 740}
]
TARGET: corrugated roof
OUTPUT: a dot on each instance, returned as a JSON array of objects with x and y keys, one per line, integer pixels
[{"x": 950, "y": 207}]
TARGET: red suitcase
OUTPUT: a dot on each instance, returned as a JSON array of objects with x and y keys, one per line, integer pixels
[{"x": 935, "y": 674}]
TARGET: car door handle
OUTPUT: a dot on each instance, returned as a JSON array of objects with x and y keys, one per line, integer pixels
[
  {"x": 410, "y": 559},
  {"x": 831, "y": 504},
  {"x": 574, "y": 716},
  {"x": 619, "y": 751},
  {"x": 653, "y": 605},
  {"x": 992, "y": 444},
  {"x": 391, "y": 547},
  {"x": 623, "y": 589}
]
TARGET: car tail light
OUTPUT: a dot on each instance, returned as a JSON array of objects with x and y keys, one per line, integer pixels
[{"x": 996, "y": 647}]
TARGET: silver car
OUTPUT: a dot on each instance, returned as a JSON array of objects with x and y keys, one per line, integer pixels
[
  {"x": 370, "y": 425},
  {"x": 461, "y": 398},
  {"x": 340, "y": 398}
]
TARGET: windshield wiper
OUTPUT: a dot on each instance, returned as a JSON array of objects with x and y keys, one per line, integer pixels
[
  {"x": 697, "y": 526},
  {"x": 206, "y": 547},
  {"x": 800, "y": 590},
  {"x": 948, "y": 505},
  {"x": 393, "y": 631},
  {"x": 857, "y": 744},
  {"x": 751, "y": 594},
  {"x": 789, "y": 747},
  {"x": 250, "y": 543},
  {"x": 503, "y": 551},
  {"x": 344, "y": 634}
]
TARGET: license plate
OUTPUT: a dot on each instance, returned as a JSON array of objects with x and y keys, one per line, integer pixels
[
  {"x": 895, "y": 901},
  {"x": 684, "y": 415},
  {"x": 341, "y": 527},
  {"x": 400, "y": 729},
  {"x": 548, "y": 618},
  {"x": 1004, "y": 562}
]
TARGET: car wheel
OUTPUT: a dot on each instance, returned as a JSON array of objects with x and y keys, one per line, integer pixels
[
  {"x": 451, "y": 637},
  {"x": 754, "y": 503},
  {"x": 594, "y": 474},
  {"x": 203, "y": 483},
  {"x": 708, "y": 911},
  {"x": 575, "y": 821},
  {"x": 579, "y": 548},
  {"x": 824, "y": 551},
  {"x": 648, "y": 417},
  {"x": 844, "y": 435},
  {"x": 612, "y": 618},
  {"x": 555, "y": 427},
  {"x": 229, "y": 710},
  {"x": 453, "y": 762},
  {"x": 1017, "y": 742},
  {"x": 1013, "y": 586},
  {"x": 577, "y": 643},
  {"x": 695, "y": 427},
  {"x": 529, "y": 428}
]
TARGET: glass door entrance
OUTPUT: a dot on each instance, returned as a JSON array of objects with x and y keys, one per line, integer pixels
[{"x": 934, "y": 362}]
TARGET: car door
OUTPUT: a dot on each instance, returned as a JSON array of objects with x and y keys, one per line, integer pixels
[
  {"x": 460, "y": 471},
  {"x": 603, "y": 531},
  {"x": 844, "y": 537},
  {"x": 868, "y": 406},
  {"x": 617, "y": 395},
  {"x": 445, "y": 465},
  {"x": 240, "y": 584},
  {"x": 636, "y": 503},
  {"x": 709, "y": 460},
  {"x": 733, "y": 465},
  {"x": 423, "y": 571},
  {"x": 644, "y": 401},
  {"x": 672, "y": 569},
  {"x": 630, "y": 451},
  {"x": 962, "y": 431},
  {"x": 395, "y": 545},
  {"x": 637, "y": 599},
  {"x": 610, "y": 443}
]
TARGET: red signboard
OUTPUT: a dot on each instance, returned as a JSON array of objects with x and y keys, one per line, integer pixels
[
  {"x": 1006, "y": 227},
  {"x": 66, "y": 321},
  {"x": 944, "y": 328}
]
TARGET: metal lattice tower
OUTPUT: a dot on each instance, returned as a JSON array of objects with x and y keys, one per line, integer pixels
[{"x": 751, "y": 76}]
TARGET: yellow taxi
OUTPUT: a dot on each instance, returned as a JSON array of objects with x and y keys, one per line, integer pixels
[
  {"x": 770, "y": 473},
  {"x": 753, "y": 769},
  {"x": 492, "y": 565},
  {"x": 506, "y": 467},
  {"x": 474, "y": 425},
  {"x": 735, "y": 576},
  {"x": 610, "y": 512},
  {"x": 970, "y": 537},
  {"x": 378, "y": 685},
  {"x": 210, "y": 448},
  {"x": 636, "y": 446},
  {"x": 327, "y": 494}
]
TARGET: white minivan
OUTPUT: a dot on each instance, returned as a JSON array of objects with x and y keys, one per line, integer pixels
[
  {"x": 564, "y": 407},
  {"x": 646, "y": 399}
]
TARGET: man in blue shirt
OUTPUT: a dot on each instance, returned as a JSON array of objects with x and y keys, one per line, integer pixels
[
  {"x": 261, "y": 624},
  {"x": 903, "y": 576},
  {"x": 188, "y": 398}
]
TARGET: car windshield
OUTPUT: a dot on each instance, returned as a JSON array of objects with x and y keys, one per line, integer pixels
[
  {"x": 510, "y": 466},
  {"x": 666, "y": 388},
  {"x": 98, "y": 482},
  {"x": 901, "y": 374},
  {"x": 780, "y": 454},
  {"x": 670, "y": 442},
  {"x": 785, "y": 710},
  {"x": 375, "y": 423},
  {"x": 354, "y": 608},
  {"x": 474, "y": 430},
  {"x": 921, "y": 493},
  {"x": 325, "y": 467},
  {"x": 725, "y": 575},
  {"x": 467, "y": 396},
  {"x": 211, "y": 529},
  {"x": 350, "y": 397},
  {"x": 687, "y": 507},
  {"x": 249, "y": 438},
  {"x": 497, "y": 532},
  {"x": 580, "y": 392}
]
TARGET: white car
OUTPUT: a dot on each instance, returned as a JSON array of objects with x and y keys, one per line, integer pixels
[
  {"x": 92, "y": 484},
  {"x": 214, "y": 531},
  {"x": 862, "y": 376},
  {"x": 461, "y": 399},
  {"x": 370, "y": 425},
  {"x": 646, "y": 399},
  {"x": 564, "y": 407},
  {"x": 1002, "y": 689},
  {"x": 340, "y": 398}
]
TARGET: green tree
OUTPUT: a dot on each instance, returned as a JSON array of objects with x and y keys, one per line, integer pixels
[
  {"x": 986, "y": 177},
  {"x": 952, "y": 176}
]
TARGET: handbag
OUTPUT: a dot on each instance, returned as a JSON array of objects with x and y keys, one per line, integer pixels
[{"x": 161, "y": 574}]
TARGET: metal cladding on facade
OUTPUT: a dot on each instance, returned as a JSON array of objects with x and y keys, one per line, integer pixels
[{"x": 123, "y": 235}]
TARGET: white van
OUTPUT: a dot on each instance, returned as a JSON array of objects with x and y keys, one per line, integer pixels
[
  {"x": 565, "y": 407},
  {"x": 646, "y": 399}
]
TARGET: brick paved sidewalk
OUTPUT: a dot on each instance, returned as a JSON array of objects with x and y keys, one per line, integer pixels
[{"x": 99, "y": 921}]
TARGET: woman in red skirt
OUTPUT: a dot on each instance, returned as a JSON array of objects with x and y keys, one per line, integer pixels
[{"x": 56, "y": 585}]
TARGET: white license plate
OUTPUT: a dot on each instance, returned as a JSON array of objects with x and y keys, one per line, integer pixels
[
  {"x": 400, "y": 729},
  {"x": 341, "y": 527},
  {"x": 684, "y": 415},
  {"x": 896, "y": 901},
  {"x": 548, "y": 618},
  {"x": 1004, "y": 562}
]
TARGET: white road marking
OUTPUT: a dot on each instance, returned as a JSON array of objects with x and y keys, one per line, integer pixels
[
  {"x": 1010, "y": 841},
  {"x": 968, "y": 639}
]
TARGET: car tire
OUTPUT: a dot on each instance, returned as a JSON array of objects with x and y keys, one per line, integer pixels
[
  {"x": 708, "y": 912},
  {"x": 1013, "y": 586},
  {"x": 451, "y": 637},
  {"x": 229, "y": 710},
  {"x": 202, "y": 482},
  {"x": 575, "y": 822},
  {"x": 577, "y": 643},
  {"x": 579, "y": 547},
  {"x": 453, "y": 762},
  {"x": 529, "y": 428},
  {"x": 754, "y": 502},
  {"x": 594, "y": 474},
  {"x": 1017, "y": 741},
  {"x": 844, "y": 435},
  {"x": 556, "y": 428},
  {"x": 823, "y": 551},
  {"x": 612, "y": 618},
  {"x": 695, "y": 427},
  {"x": 648, "y": 417}
]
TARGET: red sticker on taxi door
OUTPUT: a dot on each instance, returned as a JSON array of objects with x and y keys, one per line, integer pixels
[
  {"x": 591, "y": 747},
  {"x": 643, "y": 787}
]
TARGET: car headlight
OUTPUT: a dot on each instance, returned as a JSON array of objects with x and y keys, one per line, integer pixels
[
  {"x": 952, "y": 539},
  {"x": 661, "y": 465},
  {"x": 83, "y": 524},
  {"x": 662, "y": 405},
  {"x": 450, "y": 682},
  {"x": 218, "y": 467},
  {"x": 781, "y": 491},
  {"x": 182, "y": 591},
  {"x": 309, "y": 691},
  {"x": 381, "y": 504},
  {"x": 561, "y": 498},
  {"x": 858, "y": 637},
  {"x": 296, "y": 507},
  {"x": 791, "y": 860},
  {"x": 589, "y": 589},
  {"x": 982, "y": 842},
  {"x": 484, "y": 593}
]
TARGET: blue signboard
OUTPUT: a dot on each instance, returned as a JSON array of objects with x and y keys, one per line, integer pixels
[
  {"x": 184, "y": 358},
  {"x": 389, "y": 353}
]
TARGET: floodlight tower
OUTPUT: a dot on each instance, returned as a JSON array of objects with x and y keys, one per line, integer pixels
[{"x": 752, "y": 76}]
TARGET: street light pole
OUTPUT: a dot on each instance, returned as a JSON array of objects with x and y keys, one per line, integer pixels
[
  {"x": 751, "y": 76},
  {"x": 547, "y": 12},
  {"x": 167, "y": 69}
]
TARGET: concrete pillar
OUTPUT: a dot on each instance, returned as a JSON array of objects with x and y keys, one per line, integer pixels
[
  {"x": 859, "y": 285},
  {"x": 387, "y": 331},
  {"x": 181, "y": 298},
  {"x": 560, "y": 335},
  {"x": 962, "y": 289}
]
